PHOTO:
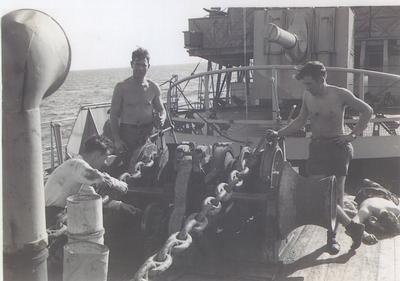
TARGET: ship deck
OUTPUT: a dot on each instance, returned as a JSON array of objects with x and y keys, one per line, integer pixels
[
  {"x": 303, "y": 259},
  {"x": 306, "y": 260}
]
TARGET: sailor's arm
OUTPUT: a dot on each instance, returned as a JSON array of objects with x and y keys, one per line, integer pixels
[
  {"x": 86, "y": 174},
  {"x": 158, "y": 106},
  {"x": 298, "y": 123},
  {"x": 121, "y": 206},
  {"x": 362, "y": 215},
  {"x": 112, "y": 188},
  {"x": 104, "y": 183},
  {"x": 362, "y": 107},
  {"x": 112, "y": 204},
  {"x": 90, "y": 176},
  {"x": 115, "y": 113}
]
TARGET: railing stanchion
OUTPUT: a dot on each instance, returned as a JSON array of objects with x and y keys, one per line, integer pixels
[
  {"x": 361, "y": 86},
  {"x": 206, "y": 94},
  {"x": 51, "y": 146},
  {"x": 275, "y": 102}
]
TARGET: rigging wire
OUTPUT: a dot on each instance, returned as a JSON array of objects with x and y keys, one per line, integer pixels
[
  {"x": 246, "y": 90},
  {"x": 245, "y": 62},
  {"x": 208, "y": 122},
  {"x": 387, "y": 87},
  {"x": 187, "y": 82},
  {"x": 193, "y": 72}
]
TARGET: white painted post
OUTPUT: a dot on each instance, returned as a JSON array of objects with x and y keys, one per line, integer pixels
[
  {"x": 362, "y": 53},
  {"x": 206, "y": 93},
  {"x": 36, "y": 58},
  {"x": 385, "y": 55},
  {"x": 274, "y": 89},
  {"x": 361, "y": 88}
]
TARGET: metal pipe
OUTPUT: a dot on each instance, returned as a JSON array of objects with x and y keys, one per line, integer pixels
[
  {"x": 35, "y": 62},
  {"x": 289, "y": 41},
  {"x": 278, "y": 35},
  {"x": 289, "y": 67}
]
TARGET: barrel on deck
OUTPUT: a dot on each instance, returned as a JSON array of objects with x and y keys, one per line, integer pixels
[
  {"x": 85, "y": 261},
  {"x": 85, "y": 218}
]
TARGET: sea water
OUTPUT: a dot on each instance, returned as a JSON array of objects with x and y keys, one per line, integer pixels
[{"x": 96, "y": 86}]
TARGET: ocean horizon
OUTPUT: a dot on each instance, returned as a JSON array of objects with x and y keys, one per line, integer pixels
[{"x": 96, "y": 86}]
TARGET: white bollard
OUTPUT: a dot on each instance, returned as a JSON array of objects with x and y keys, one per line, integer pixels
[
  {"x": 85, "y": 261},
  {"x": 85, "y": 218}
]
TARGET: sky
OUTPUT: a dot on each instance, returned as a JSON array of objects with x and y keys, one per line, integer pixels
[{"x": 103, "y": 33}]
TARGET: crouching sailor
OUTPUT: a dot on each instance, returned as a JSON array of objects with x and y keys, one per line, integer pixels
[{"x": 82, "y": 175}]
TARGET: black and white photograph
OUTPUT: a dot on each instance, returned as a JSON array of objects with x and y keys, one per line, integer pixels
[{"x": 200, "y": 140}]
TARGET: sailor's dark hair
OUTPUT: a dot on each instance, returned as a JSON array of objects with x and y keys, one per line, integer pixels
[
  {"x": 389, "y": 222},
  {"x": 141, "y": 53},
  {"x": 97, "y": 143},
  {"x": 315, "y": 69}
]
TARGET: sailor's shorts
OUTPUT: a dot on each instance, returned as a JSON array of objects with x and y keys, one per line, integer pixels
[
  {"x": 135, "y": 136},
  {"x": 328, "y": 158}
]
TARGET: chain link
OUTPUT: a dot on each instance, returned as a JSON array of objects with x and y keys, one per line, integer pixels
[
  {"x": 152, "y": 267},
  {"x": 162, "y": 260},
  {"x": 223, "y": 192},
  {"x": 236, "y": 177},
  {"x": 139, "y": 167},
  {"x": 181, "y": 244},
  {"x": 138, "y": 170}
]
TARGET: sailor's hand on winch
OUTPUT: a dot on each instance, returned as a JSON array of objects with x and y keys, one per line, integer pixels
[
  {"x": 271, "y": 135},
  {"x": 159, "y": 120}
]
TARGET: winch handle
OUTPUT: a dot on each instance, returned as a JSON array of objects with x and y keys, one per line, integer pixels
[{"x": 154, "y": 136}]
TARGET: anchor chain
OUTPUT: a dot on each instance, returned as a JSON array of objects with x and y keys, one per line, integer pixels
[
  {"x": 138, "y": 169},
  {"x": 196, "y": 222}
]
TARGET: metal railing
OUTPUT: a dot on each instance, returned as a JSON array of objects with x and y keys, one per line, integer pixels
[
  {"x": 55, "y": 135},
  {"x": 204, "y": 87},
  {"x": 381, "y": 125}
]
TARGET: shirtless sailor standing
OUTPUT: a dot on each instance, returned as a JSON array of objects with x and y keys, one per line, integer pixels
[
  {"x": 132, "y": 106},
  {"x": 330, "y": 149}
]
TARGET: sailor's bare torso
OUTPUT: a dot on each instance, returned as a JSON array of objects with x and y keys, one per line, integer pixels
[
  {"x": 326, "y": 111},
  {"x": 324, "y": 106},
  {"x": 134, "y": 101}
]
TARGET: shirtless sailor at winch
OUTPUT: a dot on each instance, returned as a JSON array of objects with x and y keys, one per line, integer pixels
[
  {"x": 330, "y": 149},
  {"x": 133, "y": 103}
]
